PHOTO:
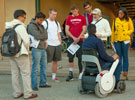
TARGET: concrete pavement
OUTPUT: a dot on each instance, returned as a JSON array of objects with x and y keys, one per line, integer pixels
[{"x": 64, "y": 91}]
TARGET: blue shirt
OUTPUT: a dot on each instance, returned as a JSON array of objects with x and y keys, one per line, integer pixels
[{"x": 93, "y": 42}]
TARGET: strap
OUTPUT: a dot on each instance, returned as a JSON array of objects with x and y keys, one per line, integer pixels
[
  {"x": 114, "y": 25},
  {"x": 55, "y": 22},
  {"x": 47, "y": 24},
  {"x": 16, "y": 26},
  {"x": 98, "y": 20}
]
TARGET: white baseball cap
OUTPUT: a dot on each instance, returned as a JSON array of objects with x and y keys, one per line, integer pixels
[{"x": 97, "y": 11}]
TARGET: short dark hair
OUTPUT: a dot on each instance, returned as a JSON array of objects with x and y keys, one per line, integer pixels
[
  {"x": 91, "y": 28},
  {"x": 52, "y": 10},
  {"x": 86, "y": 4},
  {"x": 40, "y": 15},
  {"x": 18, "y": 13},
  {"x": 73, "y": 7},
  {"x": 124, "y": 10}
]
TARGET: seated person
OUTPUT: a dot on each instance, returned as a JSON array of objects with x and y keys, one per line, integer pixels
[{"x": 104, "y": 59}]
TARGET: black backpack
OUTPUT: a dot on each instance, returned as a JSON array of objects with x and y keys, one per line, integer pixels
[{"x": 10, "y": 46}]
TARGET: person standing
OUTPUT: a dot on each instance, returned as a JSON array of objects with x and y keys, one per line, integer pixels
[
  {"x": 102, "y": 25},
  {"x": 37, "y": 31},
  {"x": 20, "y": 63},
  {"x": 75, "y": 29},
  {"x": 88, "y": 15},
  {"x": 122, "y": 28},
  {"x": 54, "y": 41}
]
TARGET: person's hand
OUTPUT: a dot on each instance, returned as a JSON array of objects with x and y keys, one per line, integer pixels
[
  {"x": 98, "y": 35},
  {"x": 115, "y": 56},
  {"x": 46, "y": 45},
  {"x": 76, "y": 40}
]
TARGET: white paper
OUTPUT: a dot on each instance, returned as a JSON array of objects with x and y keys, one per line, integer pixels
[
  {"x": 73, "y": 48},
  {"x": 33, "y": 42}
]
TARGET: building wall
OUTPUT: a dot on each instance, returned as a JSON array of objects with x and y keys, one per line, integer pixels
[
  {"x": 63, "y": 6},
  {"x": 27, "y": 5}
]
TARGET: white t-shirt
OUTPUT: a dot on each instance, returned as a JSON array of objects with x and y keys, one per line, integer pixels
[
  {"x": 103, "y": 28},
  {"x": 52, "y": 31}
]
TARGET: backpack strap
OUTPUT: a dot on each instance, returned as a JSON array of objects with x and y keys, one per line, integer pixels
[
  {"x": 98, "y": 20},
  {"x": 47, "y": 24},
  {"x": 16, "y": 26},
  {"x": 14, "y": 29}
]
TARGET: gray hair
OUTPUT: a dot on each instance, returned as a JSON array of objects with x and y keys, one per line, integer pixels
[{"x": 52, "y": 10}]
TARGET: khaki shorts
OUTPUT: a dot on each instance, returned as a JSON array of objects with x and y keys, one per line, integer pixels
[{"x": 54, "y": 53}]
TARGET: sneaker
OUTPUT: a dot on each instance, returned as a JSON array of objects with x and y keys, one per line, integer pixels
[
  {"x": 56, "y": 80},
  {"x": 80, "y": 76},
  {"x": 45, "y": 86},
  {"x": 70, "y": 77}
]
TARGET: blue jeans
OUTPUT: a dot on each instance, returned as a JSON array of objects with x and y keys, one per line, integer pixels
[
  {"x": 38, "y": 58},
  {"x": 117, "y": 70},
  {"x": 122, "y": 51}
]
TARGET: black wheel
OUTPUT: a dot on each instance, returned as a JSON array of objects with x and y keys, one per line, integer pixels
[
  {"x": 98, "y": 93},
  {"x": 121, "y": 86}
]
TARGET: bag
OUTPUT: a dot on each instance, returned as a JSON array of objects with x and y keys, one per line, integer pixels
[{"x": 10, "y": 46}]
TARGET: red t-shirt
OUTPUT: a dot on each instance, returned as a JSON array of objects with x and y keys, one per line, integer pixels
[{"x": 76, "y": 24}]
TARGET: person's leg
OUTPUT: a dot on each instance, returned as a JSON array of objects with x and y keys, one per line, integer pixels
[
  {"x": 79, "y": 56},
  {"x": 56, "y": 58},
  {"x": 15, "y": 71},
  {"x": 36, "y": 56},
  {"x": 125, "y": 57},
  {"x": 43, "y": 77},
  {"x": 119, "y": 52},
  {"x": 24, "y": 65}
]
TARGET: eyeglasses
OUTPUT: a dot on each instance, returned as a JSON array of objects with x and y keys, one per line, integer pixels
[{"x": 23, "y": 17}]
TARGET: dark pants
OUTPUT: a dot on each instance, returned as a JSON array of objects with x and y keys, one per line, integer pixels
[
  {"x": 117, "y": 70},
  {"x": 78, "y": 54},
  {"x": 133, "y": 43}
]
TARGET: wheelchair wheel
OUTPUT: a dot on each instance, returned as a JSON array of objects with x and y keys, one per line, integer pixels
[
  {"x": 121, "y": 86},
  {"x": 80, "y": 89},
  {"x": 98, "y": 93}
]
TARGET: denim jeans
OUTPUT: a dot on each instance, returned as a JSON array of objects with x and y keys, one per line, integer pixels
[
  {"x": 39, "y": 59},
  {"x": 122, "y": 51},
  {"x": 117, "y": 70}
]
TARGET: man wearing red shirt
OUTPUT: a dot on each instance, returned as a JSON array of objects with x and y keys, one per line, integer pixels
[{"x": 75, "y": 29}]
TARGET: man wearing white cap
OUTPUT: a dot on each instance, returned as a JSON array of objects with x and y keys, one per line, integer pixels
[{"x": 102, "y": 25}]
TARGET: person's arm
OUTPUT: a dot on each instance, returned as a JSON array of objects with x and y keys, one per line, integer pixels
[
  {"x": 131, "y": 27},
  {"x": 59, "y": 37},
  {"x": 107, "y": 29},
  {"x": 21, "y": 30},
  {"x": 34, "y": 31},
  {"x": 83, "y": 32},
  {"x": 102, "y": 52}
]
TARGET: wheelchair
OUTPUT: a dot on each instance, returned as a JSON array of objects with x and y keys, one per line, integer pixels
[{"x": 98, "y": 80}]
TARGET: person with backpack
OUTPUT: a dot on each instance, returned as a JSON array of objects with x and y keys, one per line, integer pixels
[
  {"x": 102, "y": 25},
  {"x": 20, "y": 63},
  {"x": 122, "y": 28},
  {"x": 75, "y": 29},
  {"x": 39, "y": 41},
  {"x": 54, "y": 41}
]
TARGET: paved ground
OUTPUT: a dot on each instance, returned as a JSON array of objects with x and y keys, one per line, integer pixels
[
  {"x": 63, "y": 72},
  {"x": 64, "y": 91}
]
